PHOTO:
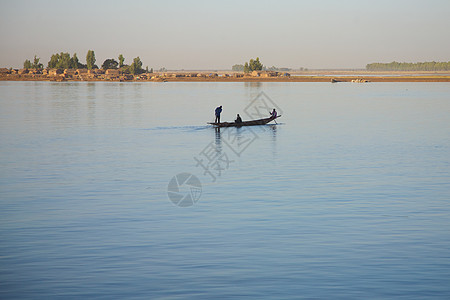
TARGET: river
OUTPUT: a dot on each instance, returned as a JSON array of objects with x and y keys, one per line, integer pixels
[{"x": 121, "y": 190}]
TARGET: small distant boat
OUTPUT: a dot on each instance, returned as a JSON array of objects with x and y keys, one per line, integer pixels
[{"x": 245, "y": 123}]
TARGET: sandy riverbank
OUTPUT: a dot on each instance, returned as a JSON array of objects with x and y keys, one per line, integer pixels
[
  {"x": 321, "y": 79},
  {"x": 318, "y": 77}
]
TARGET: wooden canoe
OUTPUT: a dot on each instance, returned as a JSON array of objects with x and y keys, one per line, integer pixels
[{"x": 245, "y": 123}]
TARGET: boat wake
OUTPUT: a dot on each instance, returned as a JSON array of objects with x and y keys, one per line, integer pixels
[{"x": 178, "y": 128}]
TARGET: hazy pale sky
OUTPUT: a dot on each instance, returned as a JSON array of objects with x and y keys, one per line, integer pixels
[{"x": 196, "y": 34}]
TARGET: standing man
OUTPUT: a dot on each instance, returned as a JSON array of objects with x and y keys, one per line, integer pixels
[{"x": 218, "y": 111}]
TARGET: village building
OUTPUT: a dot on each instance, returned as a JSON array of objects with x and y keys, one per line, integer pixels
[
  {"x": 126, "y": 77},
  {"x": 34, "y": 71},
  {"x": 269, "y": 74},
  {"x": 256, "y": 73},
  {"x": 360, "y": 80},
  {"x": 264, "y": 74},
  {"x": 81, "y": 71},
  {"x": 112, "y": 74},
  {"x": 55, "y": 72},
  {"x": 70, "y": 72},
  {"x": 82, "y": 74}
]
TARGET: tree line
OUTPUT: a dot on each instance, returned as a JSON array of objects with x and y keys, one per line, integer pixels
[
  {"x": 252, "y": 65},
  {"x": 256, "y": 65},
  {"x": 65, "y": 61},
  {"x": 419, "y": 66}
]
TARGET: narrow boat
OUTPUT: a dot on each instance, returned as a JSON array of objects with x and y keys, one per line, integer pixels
[{"x": 245, "y": 123}]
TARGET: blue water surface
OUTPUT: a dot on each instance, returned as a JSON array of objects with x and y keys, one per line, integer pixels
[{"x": 347, "y": 197}]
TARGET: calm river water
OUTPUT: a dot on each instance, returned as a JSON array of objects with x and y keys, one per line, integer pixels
[{"x": 347, "y": 197}]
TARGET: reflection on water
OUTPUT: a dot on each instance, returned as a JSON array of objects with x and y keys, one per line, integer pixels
[
  {"x": 240, "y": 139},
  {"x": 218, "y": 140},
  {"x": 91, "y": 111},
  {"x": 252, "y": 89},
  {"x": 273, "y": 130},
  {"x": 231, "y": 143},
  {"x": 91, "y": 90},
  {"x": 255, "y": 84}
]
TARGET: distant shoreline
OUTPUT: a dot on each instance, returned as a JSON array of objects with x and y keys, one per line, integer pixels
[
  {"x": 333, "y": 79},
  {"x": 335, "y": 76}
]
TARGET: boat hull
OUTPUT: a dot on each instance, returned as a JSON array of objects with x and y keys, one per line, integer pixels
[{"x": 245, "y": 123}]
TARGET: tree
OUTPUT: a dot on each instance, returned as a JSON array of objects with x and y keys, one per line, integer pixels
[
  {"x": 255, "y": 65},
  {"x": 90, "y": 59},
  {"x": 36, "y": 63},
  {"x": 75, "y": 64},
  {"x": 60, "y": 61},
  {"x": 65, "y": 62},
  {"x": 246, "y": 68},
  {"x": 237, "y": 68},
  {"x": 27, "y": 64},
  {"x": 53, "y": 61},
  {"x": 121, "y": 60},
  {"x": 109, "y": 64},
  {"x": 420, "y": 66},
  {"x": 273, "y": 68},
  {"x": 252, "y": 65},
  {"x": 136, "y": 66}
]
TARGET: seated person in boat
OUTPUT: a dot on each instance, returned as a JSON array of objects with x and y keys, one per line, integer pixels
[
  {"x": 273, "y": 114},
  {"x": 238, "y": 119}
]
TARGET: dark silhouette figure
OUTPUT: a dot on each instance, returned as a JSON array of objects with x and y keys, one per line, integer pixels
[
  {"x": 273, "y": 114},
  {"x": 218, "y": 111}
]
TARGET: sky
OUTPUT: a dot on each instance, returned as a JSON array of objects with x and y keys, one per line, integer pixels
[{"x": 213, "y": 35}]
